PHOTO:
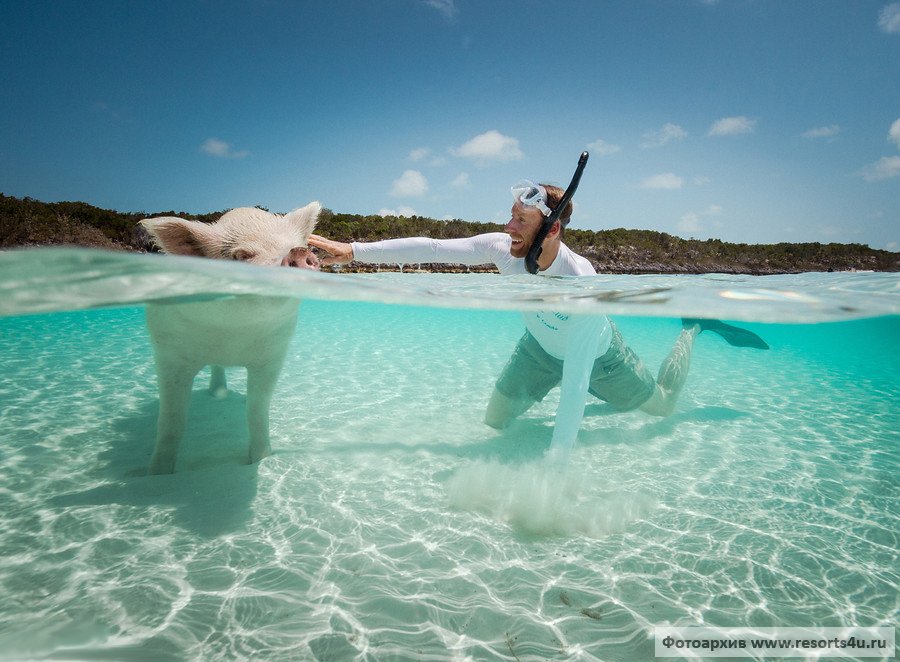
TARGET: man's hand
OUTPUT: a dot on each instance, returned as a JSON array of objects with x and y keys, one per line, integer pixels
[{"x": 340, "y": 253}]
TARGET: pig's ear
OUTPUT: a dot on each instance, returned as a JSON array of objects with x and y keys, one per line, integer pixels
[
  {"x": 180, "y": 237},
  {"x": 304, "y": 219}
]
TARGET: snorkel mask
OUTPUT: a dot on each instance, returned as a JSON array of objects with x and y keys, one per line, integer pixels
[
  {"x": 534, "y": 195},
  {"x": 531, "y": 195}
]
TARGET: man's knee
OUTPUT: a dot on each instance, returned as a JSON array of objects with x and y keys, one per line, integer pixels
[
  {"x": 660, "y": 403},
  {"x": 501, "y": 410},
  {"x": 496, "y": 421}
]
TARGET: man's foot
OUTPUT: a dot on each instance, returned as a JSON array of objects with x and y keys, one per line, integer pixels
[{"x": 733, "y": 335}]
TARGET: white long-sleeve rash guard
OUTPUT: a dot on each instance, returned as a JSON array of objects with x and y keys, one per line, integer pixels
[{"x": 551, "y": 329}]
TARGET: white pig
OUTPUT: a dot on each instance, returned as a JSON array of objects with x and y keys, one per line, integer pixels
[{"x": 247, "y": 330}]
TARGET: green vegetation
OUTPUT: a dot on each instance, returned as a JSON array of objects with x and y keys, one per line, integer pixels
[{"x": 28, "y": 222}]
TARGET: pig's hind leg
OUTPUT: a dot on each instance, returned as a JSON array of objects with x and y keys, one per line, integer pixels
[
  {"x": 261, "y": 381},
  {"x": 218, "y": 386}
]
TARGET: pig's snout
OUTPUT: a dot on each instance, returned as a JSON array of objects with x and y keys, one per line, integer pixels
[{"x": 302, "y": 258}]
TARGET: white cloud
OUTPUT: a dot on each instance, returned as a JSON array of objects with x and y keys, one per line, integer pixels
[
  {"x": 701, "y": 180},
  {"x": 666, "y": 181},
  {"x": 105, "y": 110},
  {"x": 491, "y": 146},
  {"x": 665, "y": 135},
  {"x": 690, "y": 222},
  {"x": 421, "y": 154},
  {"x": 891, "y": 246},
  {"x": 831, "y": 230},
  {"x": 410, "y": 184},
  {"x": 446, "y": 7},
  {"x": 400, "y": 211},
  {"x": 603, "y": 148},
  {"x": 885, "y": 168},
  {"x": 894, "y": 133},
  {"x": 889, "y": 18},
  {"x": 461, "y": 181},
  {"x": 732, "y": 126},
  {"x": 822, "y": 132},
  {"x": 221, "y": 149}
]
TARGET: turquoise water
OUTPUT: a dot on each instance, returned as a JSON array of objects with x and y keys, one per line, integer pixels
[{"x": 391, "y": 523}]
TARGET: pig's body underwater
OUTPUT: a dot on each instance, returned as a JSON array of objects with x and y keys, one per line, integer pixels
[
  {"x": 237, "y": 331},
  {"x": 246, "y": 330}
]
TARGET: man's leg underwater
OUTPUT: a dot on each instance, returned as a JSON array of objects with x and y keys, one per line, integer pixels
[
  {"x": 528, "y": 376},
  {"x": 501, "y": 410},
  {"x": 672, "y": 374},
  {"x": 674, "y": 370}
]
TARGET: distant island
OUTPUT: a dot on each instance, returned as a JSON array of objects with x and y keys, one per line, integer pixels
[{"x": 29, "y": 222}]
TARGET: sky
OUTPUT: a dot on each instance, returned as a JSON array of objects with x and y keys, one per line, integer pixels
[{"x": 755, "y": 121}]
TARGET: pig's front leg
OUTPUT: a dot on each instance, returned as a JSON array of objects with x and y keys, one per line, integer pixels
[
  {"x": 175, "y": 382},
  {"x": 261, "y": 381}
]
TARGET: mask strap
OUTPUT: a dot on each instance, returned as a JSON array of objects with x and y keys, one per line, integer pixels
[{"x": 535, "y": 251}]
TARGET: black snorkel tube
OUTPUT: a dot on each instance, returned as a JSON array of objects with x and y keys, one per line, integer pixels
[{"x": 531, "y": 260}]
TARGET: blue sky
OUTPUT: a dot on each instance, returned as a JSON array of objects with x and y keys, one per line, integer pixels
[{"x": 754, "y": 121}]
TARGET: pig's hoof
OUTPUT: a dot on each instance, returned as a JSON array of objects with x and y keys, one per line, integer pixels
[
  {"x": 219, "y": 393},
  {"x": 256, "y": 456},
  {"x": 161, "y": 466}
]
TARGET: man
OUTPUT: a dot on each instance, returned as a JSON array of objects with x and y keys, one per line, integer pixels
[{"x": 618, "y": 376}]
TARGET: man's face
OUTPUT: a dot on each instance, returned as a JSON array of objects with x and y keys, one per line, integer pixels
[{"x": 523, "y": 226}]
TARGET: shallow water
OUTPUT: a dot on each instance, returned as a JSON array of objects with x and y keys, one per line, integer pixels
[{"x": 391, "y": 523}]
